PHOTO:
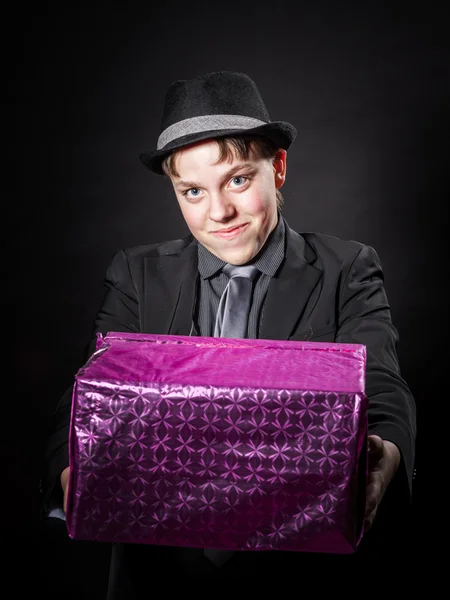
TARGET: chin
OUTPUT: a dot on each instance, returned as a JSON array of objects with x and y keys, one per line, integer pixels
[{"x": 238, "y": 257}]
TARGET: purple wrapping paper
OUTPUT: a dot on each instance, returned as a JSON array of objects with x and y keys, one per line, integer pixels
[{"x": 215, "y": 443}]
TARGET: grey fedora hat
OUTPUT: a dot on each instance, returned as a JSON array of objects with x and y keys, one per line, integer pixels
[{"x": 215, "y": 105}]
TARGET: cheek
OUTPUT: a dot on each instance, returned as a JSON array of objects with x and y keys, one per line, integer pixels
[
  {"x": 193, "y": 215},
  {"x": 259, "y": 203}
]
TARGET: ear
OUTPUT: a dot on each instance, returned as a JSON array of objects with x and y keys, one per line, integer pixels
[{"x": 279, "y": 167}]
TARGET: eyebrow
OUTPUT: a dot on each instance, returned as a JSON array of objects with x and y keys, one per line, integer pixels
[{"x": 227, "y": 175}]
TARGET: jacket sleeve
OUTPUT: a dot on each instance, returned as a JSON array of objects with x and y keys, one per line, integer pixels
[
  {"x": 119, "y": 311},
  {"x": 365, "y": 318}
]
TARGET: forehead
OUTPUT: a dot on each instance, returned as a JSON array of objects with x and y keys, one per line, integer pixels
[{"x": 204, "y": 158}]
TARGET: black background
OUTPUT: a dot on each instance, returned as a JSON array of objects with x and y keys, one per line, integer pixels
[{"x": 367, "y": 87}]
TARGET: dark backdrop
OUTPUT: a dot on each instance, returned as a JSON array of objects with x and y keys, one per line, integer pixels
[{"x": 366, "y": 87}]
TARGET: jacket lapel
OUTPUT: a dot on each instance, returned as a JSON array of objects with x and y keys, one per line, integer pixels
[
  {"x": 170, "y": 292},
  {"x": 290, "y": 290}
]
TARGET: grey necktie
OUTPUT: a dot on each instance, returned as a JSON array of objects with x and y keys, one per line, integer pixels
[
  {"x": 232, "y": 322},
  {"x": 234, "y": 305}
]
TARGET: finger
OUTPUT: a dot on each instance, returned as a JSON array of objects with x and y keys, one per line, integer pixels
[
  {"x": 371, "y": 502},
  {"x": 373, "y": 492},
  {"x": 375, "y": 443},
  {"x": 368, "y": 520},
  {"x": 375, "y": 448}
]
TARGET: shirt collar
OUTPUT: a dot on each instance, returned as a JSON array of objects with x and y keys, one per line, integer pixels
[{"x": 267, "y": 261}]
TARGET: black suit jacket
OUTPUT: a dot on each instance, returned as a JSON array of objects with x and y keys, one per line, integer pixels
[{"x": 326, "y": 290}]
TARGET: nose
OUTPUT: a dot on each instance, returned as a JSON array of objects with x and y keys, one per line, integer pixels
[{"x": 221, "y": 208}]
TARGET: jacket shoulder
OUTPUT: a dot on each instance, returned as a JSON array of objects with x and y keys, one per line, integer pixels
[
  {"x": 159, "y": 249},
  {"x": 322, "y": 242},
  {"x": 328, "y": 246}
]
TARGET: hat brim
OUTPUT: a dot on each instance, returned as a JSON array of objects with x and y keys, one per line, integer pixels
[{"x": 280, "y": 132}]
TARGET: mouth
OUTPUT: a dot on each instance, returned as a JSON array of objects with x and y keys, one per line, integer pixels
[{"x": 231, "y": 232}]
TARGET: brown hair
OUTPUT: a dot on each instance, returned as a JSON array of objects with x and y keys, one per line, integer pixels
[{"x": 230, "y": 148}]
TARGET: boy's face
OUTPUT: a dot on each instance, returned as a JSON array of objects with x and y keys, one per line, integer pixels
[{"x": 230, "y": 207}]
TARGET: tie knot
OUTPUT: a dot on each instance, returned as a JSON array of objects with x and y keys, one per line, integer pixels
[{"x": 247, "y": 271}]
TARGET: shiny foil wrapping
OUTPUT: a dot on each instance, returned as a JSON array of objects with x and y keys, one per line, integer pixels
[{"x": 215, "y": 443}]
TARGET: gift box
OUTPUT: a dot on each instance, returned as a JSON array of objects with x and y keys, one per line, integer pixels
[{"x": 230, "y": 444}]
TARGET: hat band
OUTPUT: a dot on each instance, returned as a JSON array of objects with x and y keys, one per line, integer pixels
[{"x": 206, "y": 123}]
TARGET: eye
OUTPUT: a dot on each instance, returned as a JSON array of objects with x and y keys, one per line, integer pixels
[
  {"x": 192, "y": 193},
  {"x": 239, "y": 181}
]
